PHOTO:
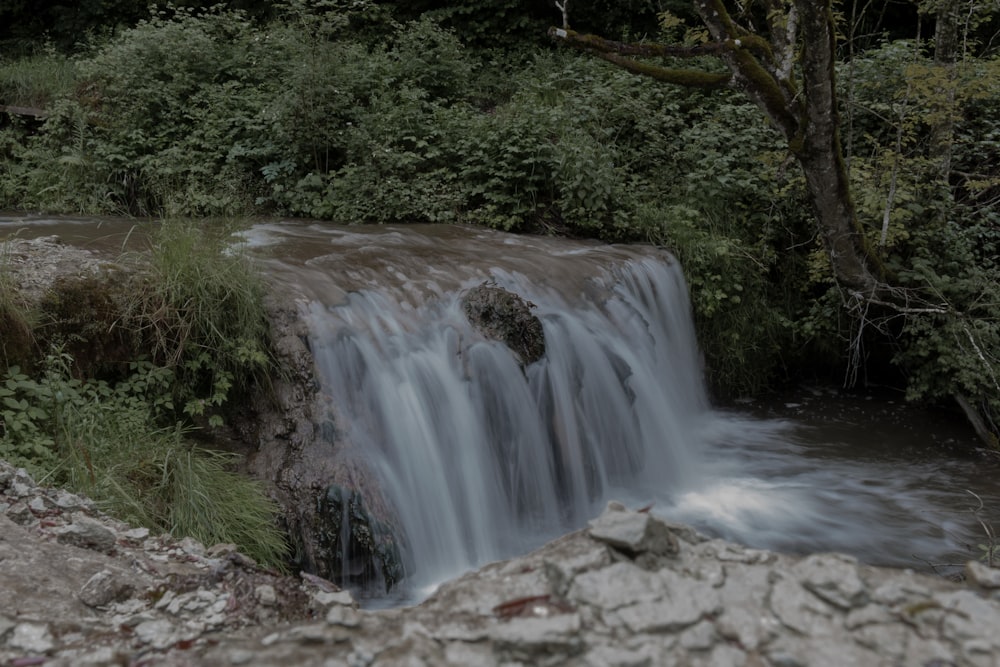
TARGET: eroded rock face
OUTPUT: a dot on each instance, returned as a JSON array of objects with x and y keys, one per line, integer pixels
[
  {"x": 504, "y": 316},
  {"x": 331, "y": 503},
  {"x": 356, "y": 546}
]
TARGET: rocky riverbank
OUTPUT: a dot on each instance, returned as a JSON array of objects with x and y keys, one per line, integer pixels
[{"x": 79, "y": 588}]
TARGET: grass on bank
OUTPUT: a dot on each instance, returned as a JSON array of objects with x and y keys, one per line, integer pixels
[
  {"x": 196, "y": 305},
  {"x": 198, "y": 335},
  {"x": 37, "y": 80},
  {"x": 16, "y": 319}
]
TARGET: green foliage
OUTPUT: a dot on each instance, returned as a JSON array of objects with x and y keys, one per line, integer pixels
[
  {"x": 361, "y": 111},
  {"x": 16, "y": 319},
  {"x": 198, "y": 304},
  {"x": 36, "y": 81},
  {"x": 29, "y": 410},
  {"x": 24, "y": 22},
  {"x": 102, "y": 440},
  {"x": 741, "y": 325},
  {"x": 483, "y": 22},
  {"x": 955, "y": 351},
  {"x": 943, "y": 229}
]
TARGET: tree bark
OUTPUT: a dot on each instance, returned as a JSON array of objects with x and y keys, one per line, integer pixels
[
  {"x": 804, "y": 110},
  {"x": 946, "y": 54},
  {"x": 821, "y": 156}
]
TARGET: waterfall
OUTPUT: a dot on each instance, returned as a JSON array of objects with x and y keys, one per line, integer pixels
[
  {"x": 481, "y": 458},
  {"x": 475, "y": 457}
]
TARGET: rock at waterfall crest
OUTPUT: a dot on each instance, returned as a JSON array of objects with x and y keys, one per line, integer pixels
[
  {"x": 501, "y": 315},
  {"x": 79, "y": 588}
]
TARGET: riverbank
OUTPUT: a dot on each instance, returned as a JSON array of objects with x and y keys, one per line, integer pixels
[{"x": 78, "y": 588}]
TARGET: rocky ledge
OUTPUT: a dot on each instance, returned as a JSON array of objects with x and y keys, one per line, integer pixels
[{"x": 79, "y": 588}]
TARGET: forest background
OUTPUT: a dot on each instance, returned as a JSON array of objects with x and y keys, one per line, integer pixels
[{"x": 359, "y": 111}]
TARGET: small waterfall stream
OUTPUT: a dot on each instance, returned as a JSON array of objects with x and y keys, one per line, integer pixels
[{"x": 480, "y": 458}]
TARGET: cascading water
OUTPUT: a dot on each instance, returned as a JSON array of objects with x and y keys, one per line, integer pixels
[
  {"x": 466, "y": 456},
  {"x": 481, "y": 458},
  {"x": 478, "y": 457}
]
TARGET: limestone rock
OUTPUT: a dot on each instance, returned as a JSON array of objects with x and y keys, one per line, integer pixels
[
  {"x": 31, "y": 638},
  {"x": 634, "y": 533},
  {"x": 104, "y": 588},
  {"x": 833, "y": 578},
  {"x": 87, "y": 533},
  {"x": 582, "y": 601},
  {"x": 982, "y": 575}
]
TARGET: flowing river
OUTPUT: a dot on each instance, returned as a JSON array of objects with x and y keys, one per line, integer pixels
[{"x": 481, "y": 458}]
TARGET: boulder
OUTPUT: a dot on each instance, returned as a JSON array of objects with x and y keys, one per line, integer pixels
[{"x": 502, "y": 315}]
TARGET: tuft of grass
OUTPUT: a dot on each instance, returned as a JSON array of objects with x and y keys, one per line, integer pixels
[
  {"x": 107, "y": 446},
  {"x": 17, "y": 320},
  {"x": 198, "y": 302},
  {"x": 36, "y": 81},
  {"x": 158, "y": 479}
]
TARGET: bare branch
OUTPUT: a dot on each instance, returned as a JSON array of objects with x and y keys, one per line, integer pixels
[
  {"x": 564, "y": 8},
  {"x": 897, "y": 307}
]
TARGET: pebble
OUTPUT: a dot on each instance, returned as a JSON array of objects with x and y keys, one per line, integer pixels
[
  {"x": 31, "y": 638},
  {"x": 104, "y": 588}
]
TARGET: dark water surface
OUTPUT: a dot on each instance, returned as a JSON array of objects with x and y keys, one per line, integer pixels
[{"x": 483, "y": 459}]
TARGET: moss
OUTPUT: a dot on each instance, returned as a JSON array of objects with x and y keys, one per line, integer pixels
[
  {"x": 690, "y": 78},
  {"x": 768, "y": 90}
]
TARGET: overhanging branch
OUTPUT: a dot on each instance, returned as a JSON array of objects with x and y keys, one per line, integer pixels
[{"x": 618, "y": 53}]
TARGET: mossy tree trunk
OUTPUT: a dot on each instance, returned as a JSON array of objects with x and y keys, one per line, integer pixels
[
  {"x": 946, "y": 54},
  {"x": 800, "y": 101}
]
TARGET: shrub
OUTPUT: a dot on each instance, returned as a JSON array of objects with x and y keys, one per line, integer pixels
[
  {"x": 741, "y": 322},
  {"x": 197, "y": 303},
  {"x": 102, "y": 440}
]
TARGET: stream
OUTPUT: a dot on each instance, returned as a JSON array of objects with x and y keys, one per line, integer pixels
[{"x": 482, "y": 458}]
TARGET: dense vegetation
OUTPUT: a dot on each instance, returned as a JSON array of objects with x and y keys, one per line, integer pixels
[
  {"x": 379, "y": 112},
  {"x": 107, "y": 375}
]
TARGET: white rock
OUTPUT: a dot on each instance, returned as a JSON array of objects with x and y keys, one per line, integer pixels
[
  {"x": 343, "y": 615},
  {"x": 31, "y": 638},
  {"x": 832, "y": 577},
  {"x": 266, "y": 595},
  {"x": 87, "y": 533},
  {"x": 104, "y": 588},
  {"x": 38, "y": 505},
  {"x": 634, "y": 532},
  {"x": 159, "y": 633},
  {"x": 326, "y": 599},
  {"x": 616, "y": 586},
  {"x": 982, "y": 575}
]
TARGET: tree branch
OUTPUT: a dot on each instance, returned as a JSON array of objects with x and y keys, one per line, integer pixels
[
  {"x": 654, "y": 50},
  {"x": 618, "y": 54}
]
